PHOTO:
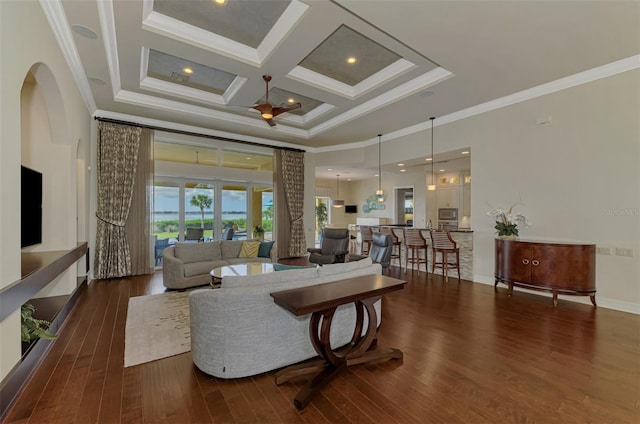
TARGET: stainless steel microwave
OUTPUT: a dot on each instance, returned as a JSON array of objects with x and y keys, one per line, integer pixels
[{"x": 448, "y": 214}]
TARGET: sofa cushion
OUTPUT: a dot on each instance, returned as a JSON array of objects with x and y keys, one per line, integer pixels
[
  {"x": 198, "y": 252},
  {"x": 231, "y": 248},
  {"x": 204, "y": 267},
  {"x": 249, "y": 249},
  {"x": 342, "y": 268},
  {"x": 234, "y": 281},
  {"x": 265, "y": 249}
]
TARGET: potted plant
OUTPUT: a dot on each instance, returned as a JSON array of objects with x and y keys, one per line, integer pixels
[
  {"x": 507, "y": 222},
  {"x": 33, "y": 328},
  {"x": 258, "y": 232}
]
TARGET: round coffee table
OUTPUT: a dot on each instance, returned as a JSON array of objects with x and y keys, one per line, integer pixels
[{"x": 249, "y": 268}]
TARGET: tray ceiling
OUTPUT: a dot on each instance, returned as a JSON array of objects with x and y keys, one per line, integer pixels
[{"x": 412, "y": 59}]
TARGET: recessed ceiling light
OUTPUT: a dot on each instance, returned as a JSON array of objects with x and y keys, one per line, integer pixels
[
  {"x": 291, "y": 100},
  {"x": 348, "y": 179},
  {"x": 329, "y": 169},
  {"x": 220, "y": 2},
  {"x": 429, "y": 159},
  {"x": 442, "y": 170},
  {"x": 403, "y": 170},
  {"x": 401, "y": 164},
  {"x": 377, "y": 175},
  {"x": 248, "y": 158},
  {"x": 84, "y": 31},
  {"x": 351, "y": 60},
  {"x": 187, "y": 70},
  {"x": 466, "y": 152}
]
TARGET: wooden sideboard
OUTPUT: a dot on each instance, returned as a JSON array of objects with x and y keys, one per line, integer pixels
[{"x": 561, "y": 268}]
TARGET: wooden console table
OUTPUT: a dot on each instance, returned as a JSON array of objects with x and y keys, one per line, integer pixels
[
  {"x": 322, "y": 301},
  {"x": 561, "y": 268}
]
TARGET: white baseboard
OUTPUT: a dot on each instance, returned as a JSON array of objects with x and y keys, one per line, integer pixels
[{"x": 603, "y": 302}]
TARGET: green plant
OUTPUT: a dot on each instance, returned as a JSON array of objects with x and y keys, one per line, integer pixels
[
  {"x": 321, "y": 215},
  {"x": 203, "y": 202},
  {"x": 33, "y": 328}
]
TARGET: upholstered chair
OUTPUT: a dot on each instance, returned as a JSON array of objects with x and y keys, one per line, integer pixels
[{"x": 334, "y": 247}]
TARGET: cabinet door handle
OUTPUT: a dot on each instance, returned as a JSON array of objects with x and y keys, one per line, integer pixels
[
  {"x": 525, "y": 261},
  {"x": 535, "y": 262}
]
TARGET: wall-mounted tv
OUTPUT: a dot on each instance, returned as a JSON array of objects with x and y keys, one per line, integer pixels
[
  {"x": 31, "y": 207},
  {"x": 351, "y": 209}
]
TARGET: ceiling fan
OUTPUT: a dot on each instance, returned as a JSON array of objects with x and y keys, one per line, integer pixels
[{"x": 269, "y": 111}]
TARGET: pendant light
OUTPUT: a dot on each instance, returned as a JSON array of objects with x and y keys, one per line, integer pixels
[
  {"x": 379, "y": 192},
  {"x": 337, "y": 203},
  {"x": 432, "y": 186}
]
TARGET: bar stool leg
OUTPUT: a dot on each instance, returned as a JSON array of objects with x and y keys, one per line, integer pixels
[{"x": 445, "y": 266}]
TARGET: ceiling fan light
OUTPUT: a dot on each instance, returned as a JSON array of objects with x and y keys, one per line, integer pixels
[{"x": 266, "y": 115}]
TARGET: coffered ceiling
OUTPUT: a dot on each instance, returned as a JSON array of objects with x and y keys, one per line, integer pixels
[{"x": 199, "y": 65}]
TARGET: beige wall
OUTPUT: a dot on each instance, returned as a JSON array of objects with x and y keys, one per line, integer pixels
[
  {"x": 578, "y": 176},
  {"x": 69, "y": 124}
]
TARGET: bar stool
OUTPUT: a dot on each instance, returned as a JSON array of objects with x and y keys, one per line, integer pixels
[
  {"x": 396, "y": 247},
  {"x": 414, "y": 243},
  {"x": 366, "y": 236},
  {"x": 442, "y": 242}
]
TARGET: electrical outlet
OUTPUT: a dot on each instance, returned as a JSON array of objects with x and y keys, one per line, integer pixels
[
  {"x": 620, "y": 251},
  {"x": 604, "y": 250}
]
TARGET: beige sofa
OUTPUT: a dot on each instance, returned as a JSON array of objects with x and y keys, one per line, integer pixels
[
  {"x": 189, "y": 264},
  {"x": 238, "y": 330}
]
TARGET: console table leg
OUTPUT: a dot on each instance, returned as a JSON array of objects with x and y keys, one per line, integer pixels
[
  {"x": 555, "y": 298},
  {"x": 314, "y": 385}
]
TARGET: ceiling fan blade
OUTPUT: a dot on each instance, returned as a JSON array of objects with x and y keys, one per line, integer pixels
[
  {"x": 263, "y": 108},
  {"x": 270, "y": 122},
  {"x": 278, "y": 110}
]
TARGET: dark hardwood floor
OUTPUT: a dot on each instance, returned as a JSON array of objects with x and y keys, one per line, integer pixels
[{"x": 471, "y": 355}]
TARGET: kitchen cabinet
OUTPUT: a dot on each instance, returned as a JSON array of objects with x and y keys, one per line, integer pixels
[
  {"x": 448, "y": 197},
  {"x": 561, "y": 268}
]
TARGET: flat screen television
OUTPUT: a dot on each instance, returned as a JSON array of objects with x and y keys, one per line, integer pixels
[
  {"x": 351, "y": 209},
  {"x": 31, "y": 207}
]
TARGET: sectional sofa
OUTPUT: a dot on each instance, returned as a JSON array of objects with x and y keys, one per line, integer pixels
[
  {"x": 237, "y": 330},
  {"x": 187, "y": 265}
]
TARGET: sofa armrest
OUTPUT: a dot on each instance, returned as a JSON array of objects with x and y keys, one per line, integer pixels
[
  {"x": 274, "y": 253},
  {"x": 172, "y": 268}
]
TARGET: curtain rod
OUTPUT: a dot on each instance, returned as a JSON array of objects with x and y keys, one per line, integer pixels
[{"x": 214, "y": 137}]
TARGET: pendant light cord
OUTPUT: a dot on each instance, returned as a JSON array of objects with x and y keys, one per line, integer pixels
[{"x": 433, "y": 118}]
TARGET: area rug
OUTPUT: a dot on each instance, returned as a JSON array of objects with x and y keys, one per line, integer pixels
[{"x": 157, "y": 327}]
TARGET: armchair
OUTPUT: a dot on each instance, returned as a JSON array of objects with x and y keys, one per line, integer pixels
[
  {"x": 380, "y": 251},
  {"x": 334, "y": 247}
]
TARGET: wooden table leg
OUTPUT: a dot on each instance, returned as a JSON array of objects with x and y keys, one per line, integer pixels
[{"x": 332, "y": 362}]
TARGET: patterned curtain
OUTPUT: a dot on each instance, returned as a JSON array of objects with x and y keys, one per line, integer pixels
[
  {"x": 116, "y": 169},
  {"x": 289, "y": 187}
]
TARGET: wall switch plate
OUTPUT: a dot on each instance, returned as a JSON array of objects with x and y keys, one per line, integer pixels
[
  {"x": 604, "y": 250},
  {"x": 620, "y": 251}
]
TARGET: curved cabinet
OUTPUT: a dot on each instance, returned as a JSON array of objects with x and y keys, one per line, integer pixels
[{"x": 561, "y": 268}]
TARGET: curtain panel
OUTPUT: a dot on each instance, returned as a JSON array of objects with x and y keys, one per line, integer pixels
[
  {"x": 289, "y": 187},
  {"x": 117, "y": 159},
  {"x": 139, "y": 224}
]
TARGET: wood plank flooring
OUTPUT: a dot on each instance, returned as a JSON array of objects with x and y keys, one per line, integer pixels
[{"x": 471, "y": 355}]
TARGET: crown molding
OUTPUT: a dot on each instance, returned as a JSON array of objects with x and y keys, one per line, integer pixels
[
  {"x": 108, "y": 27},
  {"x": 192, "y": 129},
  {"x": 284, "y": 25},
  {"x": 54, "y": 12},
  {"x": 417, "y": 84},
  {"x": 594, "y": 74},
  {"x": 351, "y": 92},
  {"x": 307, "y": 117}
]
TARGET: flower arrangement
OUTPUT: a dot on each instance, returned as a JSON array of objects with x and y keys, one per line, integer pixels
[
  {"x": 258, "y": 230},
  {"x": 507, "y": 221}
]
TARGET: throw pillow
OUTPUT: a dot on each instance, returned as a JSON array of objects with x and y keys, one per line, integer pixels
[
  {"x": 265, "y": 249},
  {"x": 282, "y": 267},
  {"x": 249, "y": 249}
]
